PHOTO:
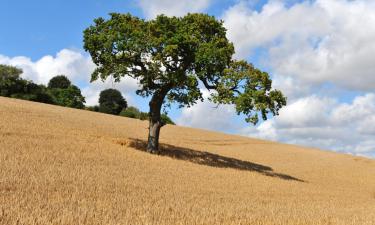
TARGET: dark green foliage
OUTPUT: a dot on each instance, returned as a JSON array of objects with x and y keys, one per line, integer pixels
[
  {"x": 59, "y": 92},
  {"x": 64, "y": 93},
  {"x": 36, "y": 93},
  {"x": 69, "y": 97},
  {"x": 143, "y": 116},
  {"x": 12, "y": 85},
  {"x": 111, "y": 102},
  {"x": 94, "y": 108},
  {"x": 166, "y": 120},
  {"x": 10, "y": 81},
  {"x": 59, "y": 81},
  {"x": 133, "y": 112}
]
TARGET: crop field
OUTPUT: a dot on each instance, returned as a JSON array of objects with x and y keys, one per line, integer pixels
[{"x": 66, "y": 166}]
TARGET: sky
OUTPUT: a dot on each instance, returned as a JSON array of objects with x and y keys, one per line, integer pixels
[{"x": 319, "y": 53}]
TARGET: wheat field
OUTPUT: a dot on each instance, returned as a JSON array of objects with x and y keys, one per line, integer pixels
[{"x": 67, "y": 166}]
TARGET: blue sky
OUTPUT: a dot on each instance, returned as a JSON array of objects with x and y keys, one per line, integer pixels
[
  {"x": 41, "y": 27},
  {"x": 319, "y": 53}
]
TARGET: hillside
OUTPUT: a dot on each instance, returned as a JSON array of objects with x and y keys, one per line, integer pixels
[{"x": 65, "y": 166}]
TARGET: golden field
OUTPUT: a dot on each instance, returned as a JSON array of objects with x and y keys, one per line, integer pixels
[{"x": 67, "y": 166}]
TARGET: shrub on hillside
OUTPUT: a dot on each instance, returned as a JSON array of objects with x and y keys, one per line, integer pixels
[
  {"x": 36, "y": 93},
  {"x": 133, "y": 112},
  {"x": 94, "y": 108}
]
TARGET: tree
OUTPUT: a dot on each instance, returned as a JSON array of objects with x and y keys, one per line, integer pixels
[
  {"x": 172, "y": 57},
  {"x": 12, "y": 85},
  {"x": 59, "y": 81},
  {"x": 35, "y": 92},
  {"x": 111, "y": 102},
  {"x": 64, "y": 93},
  {"x": 10, "y": 81},
  {"x": 69, "y": 97}
]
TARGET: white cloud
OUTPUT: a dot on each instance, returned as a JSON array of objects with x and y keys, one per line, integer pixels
[
  {"x": 316, "y": 51},
  {"x": 152, "y": 8},
  {"x": 313, "y": 41},
  {"x": 76, "y": 65},
  {"x": 207, "y": 115},
  {"x": 324, "y": 123},
  {"x": 126, "y": 86}
]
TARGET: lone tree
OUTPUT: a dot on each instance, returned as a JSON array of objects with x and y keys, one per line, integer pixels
[
  {"x": 111, "y": 102},
  {"x": 172, "y": 57}
]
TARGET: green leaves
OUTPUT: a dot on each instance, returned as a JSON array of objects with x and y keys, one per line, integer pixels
[
  {"x": 111, "y": 101},
  {"x": 172, "y": 56},
  {"x": 249, "y": 89},
  {"x": 69, "y": 97}
]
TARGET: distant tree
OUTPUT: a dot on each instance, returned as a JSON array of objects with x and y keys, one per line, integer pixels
[
  {"x": 59, "y": 81},
  {"x": 10, "y": 81},
  {"x": 131, "y": 112},
  {"x": 69, "y": 97},
  {"x": 111, "y": 102},
  {"x": 171, "y": 57},
  {"x": 36, "y": 93},
  {"x": 166, "y": 120},
  {"x": 94, "y": 108},
  {"x": 64, "y": 93}
]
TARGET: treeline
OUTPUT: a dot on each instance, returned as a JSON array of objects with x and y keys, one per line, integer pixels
[{"x": 60, "y": 91}]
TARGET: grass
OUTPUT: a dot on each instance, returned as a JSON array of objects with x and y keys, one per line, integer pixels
[{"x": 67, "y": 166}]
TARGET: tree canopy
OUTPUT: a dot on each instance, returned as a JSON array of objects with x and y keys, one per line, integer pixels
[
  {"x": 111, "y": 101},
  {"x": 173, "y": 58},
  {"x": 59, "y": 81},
  {"x": 10, "y": 81},
  {"x": 64, "y": 93}
]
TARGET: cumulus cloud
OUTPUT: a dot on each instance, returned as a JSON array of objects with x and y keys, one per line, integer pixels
[
  {"x": 152, "y": 8},
  {"x": 73, "y": 64},
  {"x": 324, "y": 123},
  {"x": 76, "y": 65},
  {"x": 313, "y": 41},
  {"x": 207, "y": 115},
  {"x": 126, "y": 86},
  {"x": 317, "y": 52}
]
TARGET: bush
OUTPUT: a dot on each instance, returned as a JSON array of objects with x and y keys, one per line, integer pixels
[
  {"x": 166, "y": 120},
  {"x": 131, "y": 112},
  {"x": 94, "y": 108},
  {"x": 36, "y": 93}
]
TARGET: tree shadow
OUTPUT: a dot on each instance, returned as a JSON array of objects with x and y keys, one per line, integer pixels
[{"x": 210, "y": 159}]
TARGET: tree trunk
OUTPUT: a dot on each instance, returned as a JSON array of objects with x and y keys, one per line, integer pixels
[
  {"x": 155, "y": 122},
  {"x": 153, "y": 136}
]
